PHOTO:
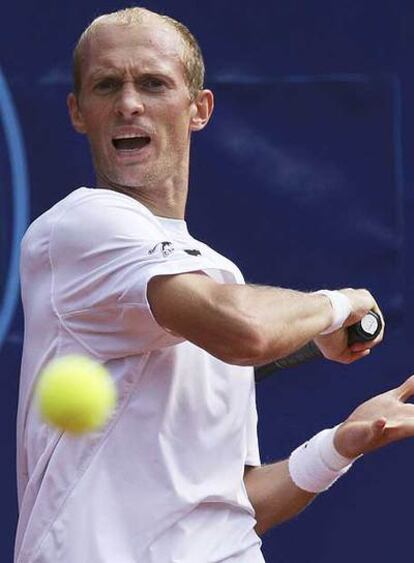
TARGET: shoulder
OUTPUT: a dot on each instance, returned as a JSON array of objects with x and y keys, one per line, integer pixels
[
  {"x": 89, "y": 219},
  {"x": 103, "y": 204},
  {"x": 95, "y": 213}
]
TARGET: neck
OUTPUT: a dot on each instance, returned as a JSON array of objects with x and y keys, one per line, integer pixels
[
  {"x": 161, "y": 202},
  {"x": 165, "y": 198}
]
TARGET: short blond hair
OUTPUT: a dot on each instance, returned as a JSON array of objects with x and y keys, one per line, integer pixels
[{"x": 192, "y": 57}]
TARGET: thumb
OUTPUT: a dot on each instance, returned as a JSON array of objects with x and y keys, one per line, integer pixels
[
  {"x": 371, "y": 434},
  {"x": 379, "y": 424},
  {"x": 358, "y": 437}
]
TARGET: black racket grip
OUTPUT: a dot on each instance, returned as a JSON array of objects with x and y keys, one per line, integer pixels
[{"x": 368, "y": 328}]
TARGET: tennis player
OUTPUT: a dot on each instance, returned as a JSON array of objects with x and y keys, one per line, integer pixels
[{"x": 112, "y": 272}]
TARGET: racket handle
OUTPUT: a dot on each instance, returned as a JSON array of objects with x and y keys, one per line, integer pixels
[{"x": 368, "y": 328}]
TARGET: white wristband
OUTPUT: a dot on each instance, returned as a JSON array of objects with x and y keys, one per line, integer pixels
[
  {"x": 341, "y": 306},
  {"x": 316, "y": 465}
]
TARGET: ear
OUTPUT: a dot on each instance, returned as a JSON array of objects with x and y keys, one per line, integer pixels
[
  {"x": 203, "y": 108},
  {"x": 75, "y": 113}
]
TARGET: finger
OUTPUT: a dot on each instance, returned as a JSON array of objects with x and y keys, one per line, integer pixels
[
  {"x": 406, "y": 389},
  {"x": 392, "y": 424},
  {"x": 360, "y": 346},
  {"x": 399, "y": 429},
  {"x": 377, "y": 310},
  {"x": 354, "y": 356},
  {"x": 373, "y": 305},
  {"x": 367, "y": 345}
]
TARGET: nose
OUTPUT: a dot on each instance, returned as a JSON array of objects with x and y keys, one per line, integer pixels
[{"x": 129, "y": 101}]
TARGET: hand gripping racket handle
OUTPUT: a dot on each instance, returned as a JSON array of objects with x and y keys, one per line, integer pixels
[{"x": 368, "y": 328}]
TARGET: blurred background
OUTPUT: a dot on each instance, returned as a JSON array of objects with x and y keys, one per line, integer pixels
[{"x": 304, "y": 178}]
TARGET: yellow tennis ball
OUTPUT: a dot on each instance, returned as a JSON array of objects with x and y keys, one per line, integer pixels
[{"x": 76, "y": 394}]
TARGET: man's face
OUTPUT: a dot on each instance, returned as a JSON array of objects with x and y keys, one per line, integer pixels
[{"x": 134, "y": 105}]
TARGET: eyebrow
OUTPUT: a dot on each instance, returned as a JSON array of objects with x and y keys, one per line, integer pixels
[{"x": 103, "y": 72}]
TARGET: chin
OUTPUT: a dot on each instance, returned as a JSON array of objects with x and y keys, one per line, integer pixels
[
  {"x": 121, "y": 180},
  {"x": 127, "y": 183}
]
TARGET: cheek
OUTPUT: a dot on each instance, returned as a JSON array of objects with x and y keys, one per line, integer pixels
[
  {"x": 177, "y": 123},
  {"x": 95, "y": 118}
]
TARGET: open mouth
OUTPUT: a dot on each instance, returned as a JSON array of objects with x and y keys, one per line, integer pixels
[{"x": 130, "y": 143}]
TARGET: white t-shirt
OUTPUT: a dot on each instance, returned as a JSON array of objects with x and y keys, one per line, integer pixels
[{"x": 162, "y": 482}]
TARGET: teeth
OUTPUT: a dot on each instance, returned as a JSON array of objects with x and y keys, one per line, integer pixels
[{"x": 131, "y": 136}]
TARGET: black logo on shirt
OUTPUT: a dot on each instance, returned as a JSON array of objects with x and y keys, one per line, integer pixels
[
  {"x": 192, "y": 251},
  {"x": 166, "y": 248}
]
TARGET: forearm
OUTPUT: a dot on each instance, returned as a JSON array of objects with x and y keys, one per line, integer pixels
[
  {"x": 281, "y": 320},
  {"x": 281, "y": 490},
  {"x": 274, "y": 495},
  {"x": 239, "y": 324}
]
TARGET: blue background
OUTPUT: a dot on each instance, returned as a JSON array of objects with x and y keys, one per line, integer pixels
[{"x": 304, "y": 178}]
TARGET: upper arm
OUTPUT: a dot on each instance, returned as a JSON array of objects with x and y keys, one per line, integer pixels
[
  {"x": 204, "y": 312},
  {"x": 103, "y": 253},
  {"x": 114, "y": 266}
]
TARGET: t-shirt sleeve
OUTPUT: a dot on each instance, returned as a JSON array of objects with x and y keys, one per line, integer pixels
[
  {"x": 252, "y": 441},
  {"x": 103, "y": 252}
]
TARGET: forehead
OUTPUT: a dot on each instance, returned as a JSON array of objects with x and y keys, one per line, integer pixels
[{"x": 144, "y": 46}]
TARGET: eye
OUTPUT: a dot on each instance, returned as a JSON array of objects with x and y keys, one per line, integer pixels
[
  {"x": 106, "y": 85},
  {"x": 153, "y": 83}
]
